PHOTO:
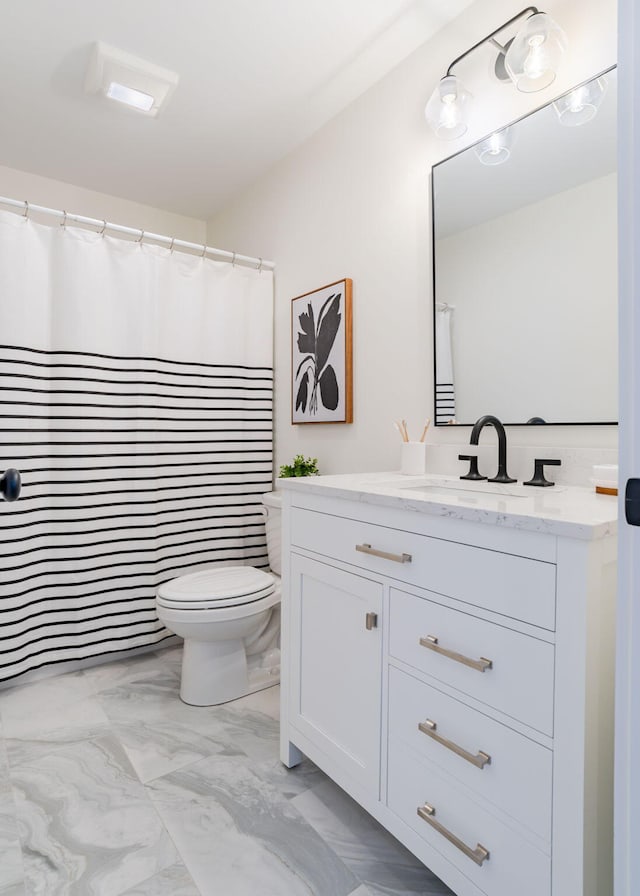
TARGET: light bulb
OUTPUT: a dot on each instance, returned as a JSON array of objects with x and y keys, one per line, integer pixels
[
  {"x": 536, "y": 61},
  {"x": 496, "y": 149},
  {"x": 449, "y": 114},
  {"x": 534, "y": 54},
  {"x": 447, "y": 109},
  {"x": 580, "y": 105}
]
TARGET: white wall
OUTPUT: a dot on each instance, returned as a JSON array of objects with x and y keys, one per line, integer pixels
[
  {"x": 560, "y": 359},
  {"x": 50, "y": 193},
  {"x": 354, "y": 201}
]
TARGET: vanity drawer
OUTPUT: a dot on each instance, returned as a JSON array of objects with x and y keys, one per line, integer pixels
[
  {"x": 513, "y": 586},
  {"x": 518, "y": 669},
  {"x": 515, "y": 773},
  {"x": 514, "y": 865}
]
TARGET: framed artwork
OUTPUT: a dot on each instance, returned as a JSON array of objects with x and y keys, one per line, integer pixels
[{"x": 322, "y": 355}]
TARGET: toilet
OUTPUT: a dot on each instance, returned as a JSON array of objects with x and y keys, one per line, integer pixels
[{"x": 229, "y": 618}]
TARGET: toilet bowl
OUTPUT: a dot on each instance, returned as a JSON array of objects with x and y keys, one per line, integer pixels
[{"x": 229, "y": 618}]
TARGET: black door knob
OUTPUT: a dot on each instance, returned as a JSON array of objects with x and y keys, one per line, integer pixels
[
  {"x": 10, "y": 485},
  {"x": 632, "y": 502}
]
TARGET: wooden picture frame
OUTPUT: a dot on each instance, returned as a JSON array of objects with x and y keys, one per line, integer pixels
[{"x": 322, "y": 355}]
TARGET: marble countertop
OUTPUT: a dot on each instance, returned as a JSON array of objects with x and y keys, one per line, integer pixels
[{"x": 562, "y": 510}]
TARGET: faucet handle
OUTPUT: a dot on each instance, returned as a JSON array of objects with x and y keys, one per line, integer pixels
[
  {"x": 473, "y": 469},
  {"x": 538, "y": 473}
]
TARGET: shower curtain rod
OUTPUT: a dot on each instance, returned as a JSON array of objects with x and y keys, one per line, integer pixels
[{"x": 102, "y": 226}]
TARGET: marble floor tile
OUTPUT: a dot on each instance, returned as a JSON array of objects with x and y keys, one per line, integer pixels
[
  {"x": 171, "y": 658},
  {"x": 158, "y": 747},
  {"x": 111, "y": 786},
  {"x": 239, "y": 837},
  {"x": 8, "y": 824},
  {"x": 11, "y": 869},
  {"x": 51, "y": 694},
  {"x": 157, "y": 701},
  {"x": 157, "y": 695},
  {"x": 85, "y": 823},
  {"x": 127, "y": 671},
  {"x": 290, "y": 782},
  {"x": 40, "y": 718},
  {"x": 266, "y": 701},
  {"x": 172, "y": 881},
  {"x": 53, "y": 729},
  {"x": 21, "y": 750},
  {"x": 373, "y": 855}
]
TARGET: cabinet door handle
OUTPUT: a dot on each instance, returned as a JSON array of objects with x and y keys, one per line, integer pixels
[
  {"x": 397, "y": 558},
  {"x": 431, "y": 643},
  {"x": 371, "y": 621},
  {"x": 477, "y": 855},
  {"x": 480, "y": 759}
]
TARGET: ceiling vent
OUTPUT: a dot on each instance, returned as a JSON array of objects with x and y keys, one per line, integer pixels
[{"x": 127, "y": 79}]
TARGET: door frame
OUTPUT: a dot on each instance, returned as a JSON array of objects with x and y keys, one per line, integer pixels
[{"x": 627, "y": 766}]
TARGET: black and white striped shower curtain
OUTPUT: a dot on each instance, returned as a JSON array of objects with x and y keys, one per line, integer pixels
[
  {"x": 445, "y": 383},
  {"x": 136, "y": 399}
]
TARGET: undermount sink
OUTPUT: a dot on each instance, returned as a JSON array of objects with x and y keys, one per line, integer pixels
[
  {"x": 466, "y": 487},
  {"x": 473, "y": 488}
]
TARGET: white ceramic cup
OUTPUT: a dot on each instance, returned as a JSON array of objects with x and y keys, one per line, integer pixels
[{"x": 413, "y": 458}]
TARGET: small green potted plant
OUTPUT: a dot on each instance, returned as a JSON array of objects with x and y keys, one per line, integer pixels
[{"x": 300, "y": 467}]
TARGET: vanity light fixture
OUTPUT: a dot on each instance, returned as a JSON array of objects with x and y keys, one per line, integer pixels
[
  {"x": 529, "y": 60},
  {"x": 580, "y": 105},
  {"x": 496, "y": 149},
  {"x": 134, "y": 82}
]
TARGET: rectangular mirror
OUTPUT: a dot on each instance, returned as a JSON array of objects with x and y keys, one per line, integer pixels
[{"x": 525, "y": 268}]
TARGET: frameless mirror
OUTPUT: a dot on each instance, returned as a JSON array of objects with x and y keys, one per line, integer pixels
[{"x": 525, "y": 267}]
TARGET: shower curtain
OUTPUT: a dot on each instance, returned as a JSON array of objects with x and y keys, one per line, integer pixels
[
  {"x": 136, "y": 400},
  {"x": 445, "y": 388}
]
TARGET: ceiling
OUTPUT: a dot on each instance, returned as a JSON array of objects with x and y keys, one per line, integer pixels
[{"x": 257, "y": 77}]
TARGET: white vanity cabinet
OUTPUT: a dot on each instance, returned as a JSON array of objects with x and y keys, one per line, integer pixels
[
  {"x": 455, "y": 677},
  {"x": 336, "y": 671}
]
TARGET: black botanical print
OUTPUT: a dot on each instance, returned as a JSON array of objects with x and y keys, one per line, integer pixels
[{"x": 315, "y": 342}]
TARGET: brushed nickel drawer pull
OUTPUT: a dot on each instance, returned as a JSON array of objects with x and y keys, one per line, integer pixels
[
  {"x": 479, "y": 760},
  {"x": 431, "y": 642},
  {"x": 477, "y": 855},
  {"x": 371, "y": 621},
  {"x": 397, "y": 558}
]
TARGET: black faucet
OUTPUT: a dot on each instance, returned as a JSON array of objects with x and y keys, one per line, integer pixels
[{"x": 502, "y": 475}]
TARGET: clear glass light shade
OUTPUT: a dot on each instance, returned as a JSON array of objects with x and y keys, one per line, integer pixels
[
  {"x": 535, "y": 53},
  {"x": 448, "y": 109},
  {"x": 496, "y": 149},
  {"x": 581, "y": 104}
]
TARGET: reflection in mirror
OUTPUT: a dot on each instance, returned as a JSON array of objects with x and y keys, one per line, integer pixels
[{"x": 525, "y": 276}]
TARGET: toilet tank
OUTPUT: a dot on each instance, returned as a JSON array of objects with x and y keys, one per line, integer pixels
[{"x": 273, "y": 524}]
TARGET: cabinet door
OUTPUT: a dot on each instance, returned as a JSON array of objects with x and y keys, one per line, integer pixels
[{"x": 336, "y": 666}]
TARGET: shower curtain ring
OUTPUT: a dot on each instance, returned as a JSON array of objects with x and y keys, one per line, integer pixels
[
  {"x": 173, "y": 239},
  {"x": 233, "y": 260},
  {"x": 204, "y": 251},
  {"x": 104, "y": 227},
  {"x": 141, "y": 237},
  {"x": 26, "y": 209},
  {"x": 64, "y": 219},
  {"x": 260, "y": 266}
]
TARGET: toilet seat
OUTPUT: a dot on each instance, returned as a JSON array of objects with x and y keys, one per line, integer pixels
[{"x": 217, "y": 588}]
